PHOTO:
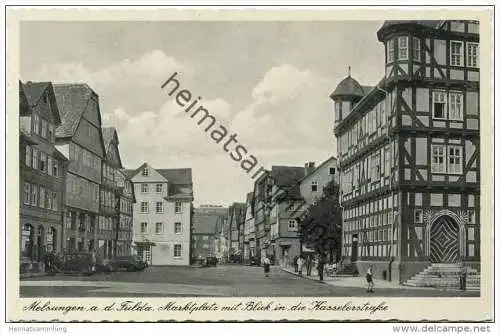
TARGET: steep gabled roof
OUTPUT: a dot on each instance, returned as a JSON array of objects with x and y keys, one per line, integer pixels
[
  {"x": 109, "y": 135},
  {"x": 34, "y": 92},
  {"x": 177, "y": 178},
  {"x": 317, "y": 168},
  {"x": 72, "y": 100},
  {"x": 24, "y": 106},
  {"x": 287, "y": 175}
]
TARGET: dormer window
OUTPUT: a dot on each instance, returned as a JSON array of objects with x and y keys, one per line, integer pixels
[
  {"x": 403, "y": 48},
  {"x": 338, "y": 107},
  {"x": 145, "y": 171}
]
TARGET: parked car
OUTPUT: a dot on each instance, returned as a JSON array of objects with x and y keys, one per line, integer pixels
[
  {"x": 130, "y": 263},
  {"x": 86, "y": 263},
  {"x": 210, "y": 261}
]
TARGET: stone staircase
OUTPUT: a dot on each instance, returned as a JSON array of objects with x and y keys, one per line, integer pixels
[{"x": 445, "y": 276}]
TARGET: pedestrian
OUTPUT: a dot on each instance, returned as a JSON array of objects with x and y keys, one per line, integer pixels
[
  {"x": 295, "y": 263},
  {"x": 267, "y": 266},
  {"x": 300, "y": 264},
  {"x": 309, "y": 264},
  {"x": 321, "y": 266},
  {"x": 369, "y": 279}
]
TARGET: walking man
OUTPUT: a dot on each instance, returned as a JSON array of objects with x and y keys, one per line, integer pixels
[
  {"x": 309, "y": 265},
  {"x": 321, "y": 266}
]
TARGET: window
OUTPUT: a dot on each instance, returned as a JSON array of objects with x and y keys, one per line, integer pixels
[
  {"x": 454, "y": 159},
  {"x": 337, "y": 110},
  {"x": 145, "y": 171},
  {"x": 292, "y": 225},
  {"x": 178, "y": 207},
  {"x": 456, "y": 53},
  {"x": 144, "y": 207},
  {"x": 55, "y": 168},
  {"x": 44, "y": 128},
  {"x": 36, "y": 124},
  {"x": 27, "y": 159},
  {"x": 159, "y": 228},
  {"x": 416, "y": 49},
  {"x": 43, "y": 162},
  {"x": 375, "y": 167},
  {"x": 49, "y": 165},
  {"x": 35, "y": 158},
  {"x": 41, "y": 201},
  {"x": 403, "y": 48},
  {"x": 54, "y": 201},
  {"x": 418, "y": 217},
  {"x": 439, "y": 105},
  {"x": 438, "y": 165},
  {"x": 314, "y": 186},
  {"x": 390, "y": 50},
  {"x": 159, "y": 188},
  {"x": 205, "y": 237},
  {"x": 159, "y": 207},
  {"x": 331, "y": 171},
  {"x": 473, "y": 55},
  {"x": 50, "y": 134},
  {"x": 178, "y": 228},
  {"x": 177, "y": 250},
  {"x": 144, "y": 188},
  {"x": 387, "y": 162},
  {"x": 27, "y": 193},
  {"x": 144, "y": 227},
  {"x": 291, "y": 205},
  {"x": 456, "y": 107},
  {"x": 34, "y": 194}
]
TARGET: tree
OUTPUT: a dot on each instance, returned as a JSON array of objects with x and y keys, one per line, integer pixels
[{"x": 320, "y": 227}]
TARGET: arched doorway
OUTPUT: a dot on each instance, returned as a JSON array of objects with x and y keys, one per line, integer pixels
[
  {"x": 27, "y": 239},
  {"x": 444, "y": 240}
]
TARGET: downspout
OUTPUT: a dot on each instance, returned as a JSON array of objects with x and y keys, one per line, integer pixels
[{"x": 391, "y": 145}]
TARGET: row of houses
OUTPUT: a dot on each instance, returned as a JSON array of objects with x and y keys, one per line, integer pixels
[
  {"x": 267, "y": 222},
  {"x": 76, "y": 195},
  {"x": 408, "y": 164}
]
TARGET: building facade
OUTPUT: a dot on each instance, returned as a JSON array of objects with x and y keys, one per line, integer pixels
[
  {"x": 203, "y": 235},
  {"x": 79, "y": 138},
  {"x": 285, "y": 209},
  {"x": 236, "y": 221},
  {"x": 249, "y": 230},
  {"x": 124, "y": 237},
  {"x": 162, "y": 214},
  {"x": 408, "y": 152},
  {"x": 316, "y": 178},
  {"x": 41, "y": 172}
]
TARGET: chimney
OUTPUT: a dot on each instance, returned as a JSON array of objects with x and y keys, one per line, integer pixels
[{"x": 309, "y": 167}]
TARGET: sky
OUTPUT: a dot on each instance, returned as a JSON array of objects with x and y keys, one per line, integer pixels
[{"x": 267, "y": 82}]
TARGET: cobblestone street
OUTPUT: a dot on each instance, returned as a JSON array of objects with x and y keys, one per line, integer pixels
[{"x": 221, "y": 281}]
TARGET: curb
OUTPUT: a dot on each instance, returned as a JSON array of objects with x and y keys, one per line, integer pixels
[{"x": 302, "y": 276}]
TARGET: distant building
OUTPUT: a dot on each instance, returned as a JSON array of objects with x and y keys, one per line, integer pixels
[
  {"x": 249, "y": 230},
  {"x": 316, "y": 178},
  {"x": 162, "y": 214},
  {"x": 285, "y": 203},
  {"x": 124, "y": 237},
  {"x": 236, "y": 220},
  {"x": 203, "y": 235},
  {"x": 41, "y": 172},
  {"x": 408, "y": 152}
]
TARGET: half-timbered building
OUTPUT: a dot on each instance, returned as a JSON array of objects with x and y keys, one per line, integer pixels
[
  {"x": 41, "y": 171},
  {"x": 408, "y": 153},
  {"x": 79, "y": 138}
]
